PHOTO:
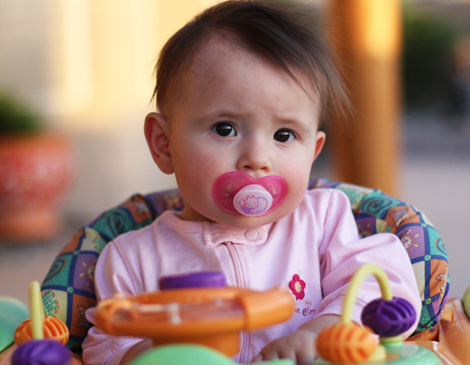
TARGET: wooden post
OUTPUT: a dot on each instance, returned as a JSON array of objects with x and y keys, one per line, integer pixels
[{"x": 366, "y": 34}]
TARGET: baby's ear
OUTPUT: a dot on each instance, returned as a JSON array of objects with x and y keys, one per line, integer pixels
[
  {"x": 157, "y": 135},
  {"x": 320, "y": 142}
]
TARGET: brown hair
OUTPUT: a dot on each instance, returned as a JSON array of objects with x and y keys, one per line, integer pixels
[{"x": 267, "y": 31}]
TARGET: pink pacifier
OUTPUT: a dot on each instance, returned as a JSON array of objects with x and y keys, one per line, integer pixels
[{"x": 239, "y": 193}]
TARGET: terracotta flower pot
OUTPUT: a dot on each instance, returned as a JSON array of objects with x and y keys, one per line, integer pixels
[{"x": 36, "y": 172}]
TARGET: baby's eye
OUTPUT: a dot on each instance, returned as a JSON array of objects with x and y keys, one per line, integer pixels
[
  {"x": 224, "y": 129},
  {"x": 284, "y": 135}
]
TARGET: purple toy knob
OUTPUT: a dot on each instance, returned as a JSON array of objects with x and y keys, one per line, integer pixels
[
  {"x": 388, "y": 318},
  {"x": 41, "y": 352},
  {"x": 204, "y": 279}
]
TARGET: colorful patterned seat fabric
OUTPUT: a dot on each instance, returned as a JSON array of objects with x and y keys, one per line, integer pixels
[{"x": 68, "y": 289}]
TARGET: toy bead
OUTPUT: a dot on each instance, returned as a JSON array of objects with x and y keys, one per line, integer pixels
[
  {"x": 54, "y": 329},
  {"x": 389, "y": 318},
  {"x": 345, "y": 343},
  {"x": 41, "y": 352}
]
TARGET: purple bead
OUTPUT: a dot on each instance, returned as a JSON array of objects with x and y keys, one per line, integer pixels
[
  {"x": 388, "y": 318},
  {"x": 205, "y": 279},
  {"x": 41, "y": 352}
]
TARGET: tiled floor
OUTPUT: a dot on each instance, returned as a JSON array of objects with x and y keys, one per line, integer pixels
[{"x": 435, "y": 178}]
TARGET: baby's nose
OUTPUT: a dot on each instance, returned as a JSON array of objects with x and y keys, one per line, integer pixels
[{"x": 254, "y": 158}]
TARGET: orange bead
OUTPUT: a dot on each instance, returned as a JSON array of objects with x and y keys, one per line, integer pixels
[
  {"x": 54, "y": 329},
  {"x": 346, "y": 344}
]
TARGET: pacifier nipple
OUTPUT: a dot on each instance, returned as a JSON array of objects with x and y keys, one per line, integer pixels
[{"x": 252, "y": 200}]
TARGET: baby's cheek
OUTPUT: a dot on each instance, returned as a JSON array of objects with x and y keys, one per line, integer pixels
[
  {"x": 297, "y": 182},
  {"x": 297, "y": 186}
]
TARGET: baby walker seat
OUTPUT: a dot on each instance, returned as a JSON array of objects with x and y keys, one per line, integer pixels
[{"x": 68, "y": 289}]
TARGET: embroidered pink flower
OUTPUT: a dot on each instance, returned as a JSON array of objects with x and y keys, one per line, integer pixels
[{"x": 297, "y": 286}]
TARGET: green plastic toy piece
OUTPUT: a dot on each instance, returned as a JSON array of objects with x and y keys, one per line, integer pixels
[
  {"x": 186, "y": 354},
  {"x": 12, "y": 314},
  {"x": 466, "y": 301},
  {"x": 403, "y": 354}
]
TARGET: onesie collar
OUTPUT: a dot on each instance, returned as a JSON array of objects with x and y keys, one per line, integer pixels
[{"x": 215, "y": 234}]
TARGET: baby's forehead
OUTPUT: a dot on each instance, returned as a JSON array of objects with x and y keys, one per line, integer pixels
[
  {"x": 214, "y": 54},
  {"x": 213, "y": 58},
  {"x": 222, "y": 57}
]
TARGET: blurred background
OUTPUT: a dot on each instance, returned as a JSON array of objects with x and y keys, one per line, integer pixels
[{"x": 84, "y": 70}]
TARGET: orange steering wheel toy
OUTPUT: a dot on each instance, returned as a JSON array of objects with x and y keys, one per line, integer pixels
[{"x": 209, "y": 316}]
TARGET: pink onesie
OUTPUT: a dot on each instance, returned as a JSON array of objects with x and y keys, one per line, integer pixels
[{"x": 313, "y": 252}]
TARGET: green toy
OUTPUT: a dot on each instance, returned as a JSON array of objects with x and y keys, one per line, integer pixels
[
  {"x": 12, "y": 313},
  {"x": 466, "y": 301},
  {"x": 187, "y": 354}
]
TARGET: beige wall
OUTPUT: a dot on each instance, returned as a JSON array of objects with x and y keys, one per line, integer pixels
[
  {"x": 105, "y": 53},
  {"x": 88, "y": 66}
]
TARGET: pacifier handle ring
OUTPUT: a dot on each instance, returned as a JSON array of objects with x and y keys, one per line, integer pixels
[{"x": 355, "y": 283}]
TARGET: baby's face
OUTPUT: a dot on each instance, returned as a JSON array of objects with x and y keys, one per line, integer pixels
[{"x": 235, "y": 112}]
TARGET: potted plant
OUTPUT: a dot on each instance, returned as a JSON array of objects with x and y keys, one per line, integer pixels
[{"x": 35, "y": 173}]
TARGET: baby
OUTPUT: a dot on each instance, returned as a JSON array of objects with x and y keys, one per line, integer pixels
[{"x": 241, "y": 92}]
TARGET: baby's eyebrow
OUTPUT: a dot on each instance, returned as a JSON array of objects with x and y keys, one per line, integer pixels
[
  {"x": 294, "y": 124},
  {"x": 227, "y": 114},
  {"x": 218, "y": 115}
]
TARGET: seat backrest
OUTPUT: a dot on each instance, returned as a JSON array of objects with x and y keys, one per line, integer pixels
[{"x": 68, "y": 289}]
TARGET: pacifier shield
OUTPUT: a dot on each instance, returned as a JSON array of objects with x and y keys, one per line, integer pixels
[{"x": 257, "y": 197}]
